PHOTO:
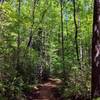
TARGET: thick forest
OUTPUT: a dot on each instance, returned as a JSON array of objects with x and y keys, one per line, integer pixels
[{"x": 49, "y": 49}]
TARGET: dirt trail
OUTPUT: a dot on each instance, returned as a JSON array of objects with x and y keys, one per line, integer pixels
[{"x": 46, "y": 91}]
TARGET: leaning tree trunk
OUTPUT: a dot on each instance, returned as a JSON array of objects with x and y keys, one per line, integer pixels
[{"x": 96, "y": 51}]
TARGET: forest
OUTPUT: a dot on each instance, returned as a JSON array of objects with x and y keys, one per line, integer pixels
[{"x": 49, "y": 49}]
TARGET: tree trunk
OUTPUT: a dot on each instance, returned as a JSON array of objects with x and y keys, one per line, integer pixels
[
  {"x": 18, "y": 38},
  {"x": 62, "y": 40},
  {"x": 96, "y": 51}
]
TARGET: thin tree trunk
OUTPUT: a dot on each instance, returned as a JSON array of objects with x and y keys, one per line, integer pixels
[
  {"x": 76, "y": 30},
  {"x": 33, "y": 6},
  {"x": 18, "y": 38},
  {"x": 62, "y": 40},
  {"x": 96, "y": 51}
]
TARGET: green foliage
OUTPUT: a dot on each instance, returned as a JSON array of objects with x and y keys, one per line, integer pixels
[
  {"x": 45, "y": 50},
  {"x": 97, "y": 98}
]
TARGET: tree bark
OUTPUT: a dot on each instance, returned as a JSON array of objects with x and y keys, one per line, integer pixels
[
  {"x": 62, "y": 40},
  {"x": 18, "y": 38},
  {"x": 96, "y": 51}
]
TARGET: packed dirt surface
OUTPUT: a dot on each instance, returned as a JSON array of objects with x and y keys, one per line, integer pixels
[{"x": 46, "y": 91}]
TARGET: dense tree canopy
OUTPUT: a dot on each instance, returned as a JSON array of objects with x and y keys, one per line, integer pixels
[{"x": 45, "y": 38}]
